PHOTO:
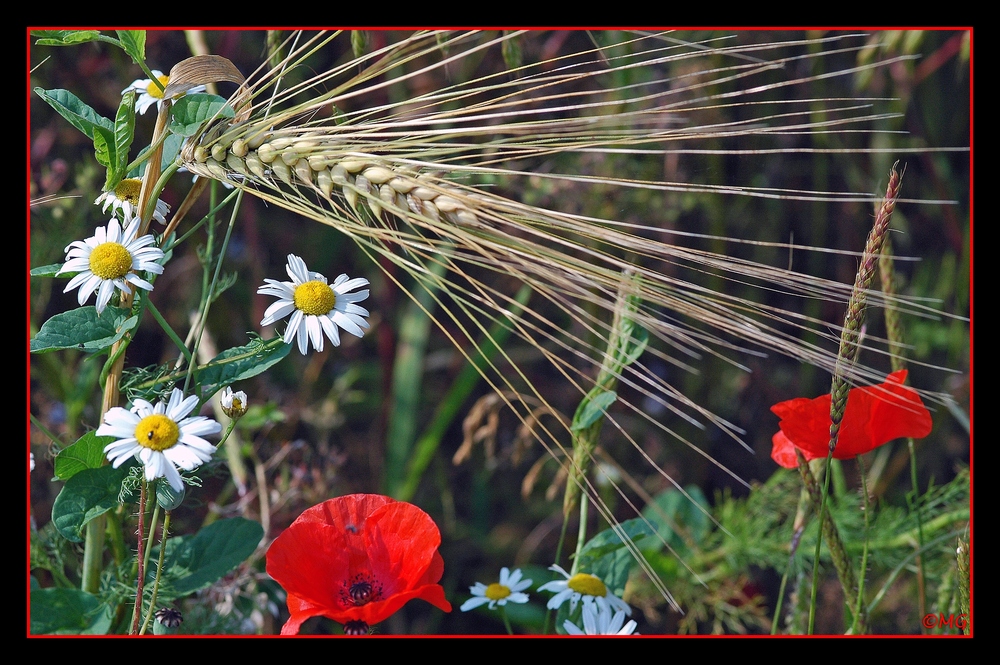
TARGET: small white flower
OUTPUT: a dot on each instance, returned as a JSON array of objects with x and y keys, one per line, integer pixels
[
  {"x": 125, "y": 197},
  {"x": 315, "y": 306},
  {"x": 234, "y": 404},
  {"x": 582, "y": 586},
  {"x": 601, "y": 621},
  {"x": 110, "y": 259},
  {"x": 150, "y": 93},
  {"x": 31, "y": 462},
  {"x": 162, "y": 437},
  {"x": 509, "y": 589}
]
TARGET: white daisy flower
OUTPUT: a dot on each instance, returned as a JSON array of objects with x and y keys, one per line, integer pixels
[
  {"x": 315, "y": 306},
  {"x": 509, "y": 589},
  {"x": 601, "y": 621},
  {"x": 161, "y": 437},
  {"x": 125, "y": 197},
  {"x": 110, "y": 259},
  {"x": 150, "y": 93},
  {"x": 234, "y": 404},
  {"x": 582, "y": 586}
]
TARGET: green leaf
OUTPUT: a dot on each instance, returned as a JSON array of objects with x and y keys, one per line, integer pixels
[
  {"x": 86, "y": 453},
  {"x": 46, "y": 271},
  {"x": 75, "y": 111},
  {"x": 592, "y": 409},
  {"x": 83, "y": 329},
  {"x": 67, "y": 612},
  {"x": 134, "y": 43},
  {"x": 190, "y": 112},
  {"x": 637, "y": 341},
  {"x": 607, "y": 557},
  {"x": 104, "y": 147},
  {"x": 64, "y": 37},
  {"x": 239, "y": 363},
  {"x": 123, "y": 134},
  {"x": 196, "y": 562},
  {"x": 679, "y": 519},
  {"x": 88, "y": 494}
]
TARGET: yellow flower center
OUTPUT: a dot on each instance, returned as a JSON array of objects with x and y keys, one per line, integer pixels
[
  {"x": 109, "y": 260},
  {"x": 157, "y": 432},
  {"x": 587, "y": 585},
  {"x": 128, "y": 190},
  {"x": 154, "y": 91},
  {"x": 497, "y": 591},
  {"x": 315, "y": 298}
]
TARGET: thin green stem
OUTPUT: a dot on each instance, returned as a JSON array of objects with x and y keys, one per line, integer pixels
[
  {"x": 506, "y": 621},
  {"x": 159, "y": 569},
  {"x": 140, "y": 560},
  {"x": 864, "y": 554},
  {"x": 174, "y": 337}
]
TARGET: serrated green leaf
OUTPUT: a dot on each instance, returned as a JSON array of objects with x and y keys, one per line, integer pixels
[
  {"x": 64, "y": 37},
  {"x": 196, "y": 562},
  {"x": 79, "y": 114},
  {"x": 239, "y": 363},
  {"x": 86, "y": 453},
  {"x": 88, "y": 494},
  {"x": 67, "y": 612},
  {"x": 593, "y": 409},
  {"x": 83, "y": 329},
  {"x": 190, "y": 112},
  {"x": 46, "y": 271},
  {"x": 134, "y": 43}
]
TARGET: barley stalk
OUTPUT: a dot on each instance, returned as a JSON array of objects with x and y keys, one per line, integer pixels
[{"x": 410, "y": 183}]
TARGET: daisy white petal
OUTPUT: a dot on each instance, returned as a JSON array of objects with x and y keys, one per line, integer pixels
[
  {"x": 508, "y": 590},
  {"x": 150, "y": 93},
  {"x": 108, "y": 262},
  {"x": 160, "y": 436},
  {"x": 315, "y": 309},
  {"x": 125, "y": 199},
  {"x": 582, "y": 586}
]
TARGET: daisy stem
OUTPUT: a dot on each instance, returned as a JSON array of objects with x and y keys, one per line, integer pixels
[
  {"x": 159, "y": 569},
  {"x": 169, "y": 331},
  {"x": 506, "y": 621},
  {"x": 140, "y": 559}
]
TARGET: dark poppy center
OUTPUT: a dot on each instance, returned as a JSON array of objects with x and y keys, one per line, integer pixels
[
  {"x": 361, "y": 590},
  {"x": 355, "y": 628}
]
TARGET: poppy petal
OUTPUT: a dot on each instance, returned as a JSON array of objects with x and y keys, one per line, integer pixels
[
  {"x": 333, "y": 547},
  {"x": 874, "y": 415}
]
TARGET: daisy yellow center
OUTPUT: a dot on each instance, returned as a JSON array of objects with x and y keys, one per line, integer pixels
[
  {"x": 587, "y": 585},
  {"x": 497, "y": 591},
  {"x": 109, "y": 260},
  {"x": 128, "y": 190},
  {"x": 315, "y": 298},
  {"x": 154, "y": 91},
  {"x": 157, "y": 432}
]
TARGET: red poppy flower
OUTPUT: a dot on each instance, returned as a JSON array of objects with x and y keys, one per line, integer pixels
[
  {"x": 875, "y": 415},
  {"x": 357, "y": 558}
]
